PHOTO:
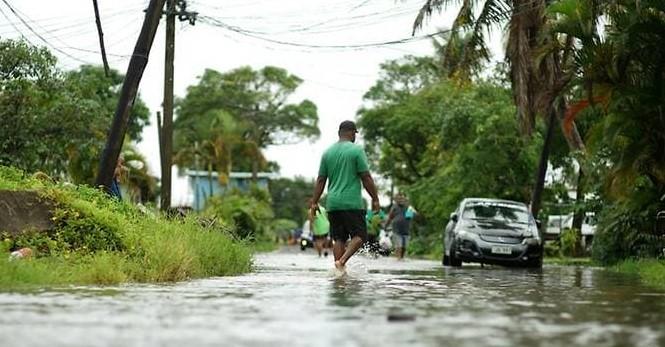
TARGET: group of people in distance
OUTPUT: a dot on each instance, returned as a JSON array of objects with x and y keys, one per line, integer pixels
[
  {"x": 344, "y": 168},
  {"x": 399, "y": 219}
]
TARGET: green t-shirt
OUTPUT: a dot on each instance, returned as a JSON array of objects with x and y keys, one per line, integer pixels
[
  {"x": 342, "y": 164},
  {"x": 321, "y": 224}
]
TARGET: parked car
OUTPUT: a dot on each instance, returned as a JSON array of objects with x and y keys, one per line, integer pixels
[{"x": 492, "y": 231}]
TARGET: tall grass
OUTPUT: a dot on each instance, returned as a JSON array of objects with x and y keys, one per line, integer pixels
[
  {"x": 650, "y": 271},
  {"x": 99, "y": 240}
]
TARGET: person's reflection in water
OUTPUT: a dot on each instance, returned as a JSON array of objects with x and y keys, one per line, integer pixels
[{"x": 346, "y": 292}]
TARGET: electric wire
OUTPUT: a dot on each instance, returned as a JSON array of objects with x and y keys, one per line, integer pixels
[{"x": 40, "y": 36}]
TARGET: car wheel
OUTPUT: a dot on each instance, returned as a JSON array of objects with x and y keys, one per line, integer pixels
[
  {"x": 446, "y": 260},
  {"x": 536, "y": 263},
  {"x": 452, "y": 259}
]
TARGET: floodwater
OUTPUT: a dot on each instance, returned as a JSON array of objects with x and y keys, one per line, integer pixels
[{"x": 294, "y": 299}]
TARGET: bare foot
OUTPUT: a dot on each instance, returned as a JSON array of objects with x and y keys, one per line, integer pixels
[{"x": 341, "y": 269}]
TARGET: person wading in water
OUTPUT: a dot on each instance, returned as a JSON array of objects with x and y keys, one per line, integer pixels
[{"x": 344, "y": 165}]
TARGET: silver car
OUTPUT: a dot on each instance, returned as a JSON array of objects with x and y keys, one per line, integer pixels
[{"x": 492, "y": 231}]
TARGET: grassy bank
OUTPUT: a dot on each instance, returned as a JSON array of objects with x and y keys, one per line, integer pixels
[
  {"x": 568, "y": 261},
  {"x": 650, "y": 271},
  {"x": 98, "y": 240}
]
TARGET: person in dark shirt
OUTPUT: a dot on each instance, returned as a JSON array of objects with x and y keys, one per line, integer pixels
[{"x": 400, "y": 215}]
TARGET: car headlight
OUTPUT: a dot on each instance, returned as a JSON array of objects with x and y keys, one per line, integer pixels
[
  {"x": 532, "y": 241},
  {"x": 531, "y": 236},
  {"x": 466, "y": 234}
]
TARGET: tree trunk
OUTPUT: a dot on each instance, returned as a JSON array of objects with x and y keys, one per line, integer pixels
[
  {"x": 578, "y": 217},
  {"x": 210, "y": 179},
  {"x": 255, "y": 171},
  {"x": 537, "y": 193}
]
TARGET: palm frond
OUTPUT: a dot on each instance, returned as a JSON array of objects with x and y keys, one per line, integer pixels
[
  {"x": 476, "y": 50},
  {"x": 428, "y": 8}
]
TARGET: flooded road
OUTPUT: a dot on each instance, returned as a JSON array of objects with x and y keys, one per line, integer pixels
[{"x": 293, "y": 299}]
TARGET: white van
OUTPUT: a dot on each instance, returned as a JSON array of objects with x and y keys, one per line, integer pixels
[{"x": 558, "y": 223}]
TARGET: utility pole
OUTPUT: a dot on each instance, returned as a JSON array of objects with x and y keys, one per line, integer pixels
[
  {"x": 167, "y": 124},
  {"x": 166, "y": 128},
  {"x": 128, "y": 93}
]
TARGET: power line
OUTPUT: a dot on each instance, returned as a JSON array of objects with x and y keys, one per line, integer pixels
[
  {"x": 64, "y": 20},
  {"x": 341, "y": 21},
  {"x": 40, "y": 36},
  {"x": 361, "y": 4},
  {"x": 244, "y": 32},
  {"x": 259, "y": 35}
]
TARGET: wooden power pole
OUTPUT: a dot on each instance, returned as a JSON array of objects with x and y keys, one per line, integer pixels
[
  {"x": 166, "y": 128},
  {"x": 167, "y": 123},
  {"x": 128, "y": 93}
]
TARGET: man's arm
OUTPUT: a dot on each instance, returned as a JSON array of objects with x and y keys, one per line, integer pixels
[
  {"x": 391, "y": 215},
  {"x": 318, "y": 191},
  {"x": 370, "y": 187}
]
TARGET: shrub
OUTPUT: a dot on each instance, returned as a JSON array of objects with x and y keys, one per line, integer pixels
[
  {"x": 251, "y": 216},
  {"x": 569, "y": 243},
  {"x": 98, "y": 239},
  {"x": 626, "y": 231}
]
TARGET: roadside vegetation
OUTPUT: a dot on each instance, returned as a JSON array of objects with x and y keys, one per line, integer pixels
[
  {"x": 100, "y": 240},
  {"x": 55, "y": 122},
  {"x": 580, "y": 92},
  {"x": 650, "y": 271}
]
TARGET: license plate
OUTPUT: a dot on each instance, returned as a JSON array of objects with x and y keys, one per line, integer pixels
[{"x": 502, "y": 250}]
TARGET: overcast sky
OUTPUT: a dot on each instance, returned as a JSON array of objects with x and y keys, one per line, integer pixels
[{"x": 334, "y": 78}]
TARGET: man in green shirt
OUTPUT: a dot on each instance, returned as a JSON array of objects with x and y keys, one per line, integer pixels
[{"x": 344, "y": 165}]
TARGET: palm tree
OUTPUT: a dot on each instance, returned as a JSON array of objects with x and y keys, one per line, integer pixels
[
  {"x": 210, "y": 139},
  {"x": 537, "y": 80},
  {"x": 624, "y": 73}
]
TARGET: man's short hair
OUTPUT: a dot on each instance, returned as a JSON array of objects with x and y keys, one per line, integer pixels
[{"x": 347, "y": 126}]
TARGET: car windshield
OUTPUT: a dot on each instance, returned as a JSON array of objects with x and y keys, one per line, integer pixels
[{"x": 493, "y": 210}]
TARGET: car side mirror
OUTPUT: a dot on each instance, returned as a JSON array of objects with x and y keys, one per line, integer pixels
[{"x": 453, "y": 217}]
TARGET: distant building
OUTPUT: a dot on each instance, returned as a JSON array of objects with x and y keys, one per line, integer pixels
[{"x": 201, "y": 184}]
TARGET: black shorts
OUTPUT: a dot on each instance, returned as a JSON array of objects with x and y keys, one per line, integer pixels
[{"x": 345, "y": 224}]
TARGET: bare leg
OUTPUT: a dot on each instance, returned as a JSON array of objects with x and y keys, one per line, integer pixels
[
  {"x": 318, "y": 244},
  {"x": 354, "y": 245},
  {"x": 338, "y": 249}
]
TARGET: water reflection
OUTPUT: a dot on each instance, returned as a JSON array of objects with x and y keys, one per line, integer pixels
[
  {"x": 346, "y": 292},
  {"x": 293, "y": 299}
]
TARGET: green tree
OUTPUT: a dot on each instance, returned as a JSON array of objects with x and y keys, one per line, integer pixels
[
  {"x": 535, "y": 73},
  {"x": 444, "y": 141},
  {"x": 289, "y": 198},
  {"x": 619, "y": 74},
  {"x": 208, "y": 142},
  {"x": 258, "y": 100},
  {"x": 52, "y": 121},
  {"x": 30, "y": 86},
  {"x": 90, "y": 84}
]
